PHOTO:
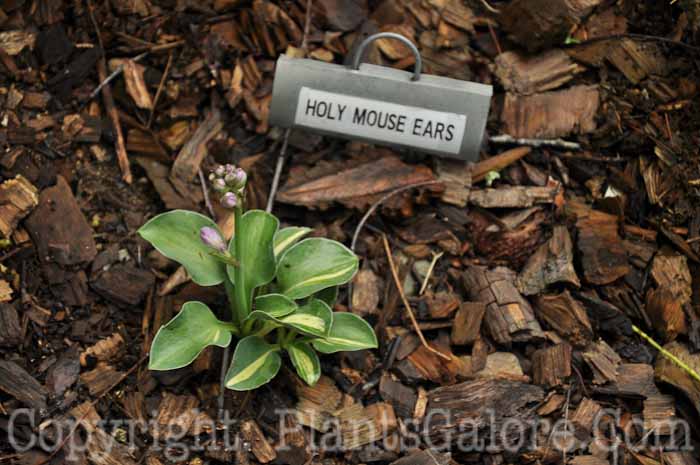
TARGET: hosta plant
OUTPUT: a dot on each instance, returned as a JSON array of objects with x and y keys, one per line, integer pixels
[{"x": 281, "y": 287}]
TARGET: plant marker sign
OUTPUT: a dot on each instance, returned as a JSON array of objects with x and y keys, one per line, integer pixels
[{"x": 382, "y": 105}]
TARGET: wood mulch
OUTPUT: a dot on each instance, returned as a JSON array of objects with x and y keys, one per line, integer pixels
[{"x": 517, "y": 296}]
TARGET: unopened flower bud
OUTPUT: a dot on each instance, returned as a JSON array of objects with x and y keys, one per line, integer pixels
[
  {"x": 211, "y": 237},
  {"x": 236, "y": 179},
  {"x": 229, "y": 200},
  {"x": 212, "y": 176},
  {"x": 219, "y": 185},
  {"x": 229, "y": 168},
  {"x": 220, "y": 171}
]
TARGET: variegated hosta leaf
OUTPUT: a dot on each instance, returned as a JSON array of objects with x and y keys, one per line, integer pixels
[
  {"x": 313, "y": 319},
  {"x": 287, "y": 237},
  {"x": 329, "y": 295},
  {"x": 178, "y": 342},
  {"x": 314, "y": 264},
  {"x": 275, "y": 305},
  {"x": 175, "y": 234},
  {"x": 256, "y": 258},
  {"x": 255, "y": 362},
  {"x": 348, "y": 332},
  {"x": 305, "y": 361}
]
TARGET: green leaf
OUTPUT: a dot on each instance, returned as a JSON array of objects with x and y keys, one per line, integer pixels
[
  {"x": 255, "y": 362},
  {"x": 175, "y": 234},
  {"x": 313, "y": 319},
  {"x": 256, "y": 259},
  {"x": 328, "y": 295},
  {"x": 276, "y": 305},
  {"x": 348, "y": 332},
  {"x": 315, "y": 264},
  {"x": 178, "y": 342},
  {"x": 491, "y": 176},
  {"x": 287, "y": 237},
  {"x": 305, "y": 361},
  {"x": 263, "y": 316}
]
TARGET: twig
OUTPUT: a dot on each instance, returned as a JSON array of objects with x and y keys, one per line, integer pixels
[
  {"x": 635, "y": 36},
  {"x": 493, "y": 10},
  {"x": 680, "y": 363},
  {"x": 580, "y": 379},
  {"x": 127, "y": 38},
  {"x": 109, "y": 103},
  {"x": 494, "y": 37},
  {"x": 109, "y": 79},
  {"x": 591, "y": 158},
  {"x": 436, "y": 257},
  {"x": 87, "y": 412},
  {"x": 14, "y": 252},
  {"x": 160, "y": 89},
  {"x": 222, "y": 379},
  {"x": 307, "y": 26},
  {"x": 205, "y": 193},
  {"x": 498, "y": 162},
  {"x": 668, "y": 128},
  {"x": 91, "y": 10},
  {"x": 376, "y": 205},
  {"x": 165, "y": 47},
  {"x": 278, "y": 172},
  {"x": 399, "y": 287},
  {"x": 559, "y": 143},
  {"x": 243, "y": 405},
  {"x": 112, "y": 76}
]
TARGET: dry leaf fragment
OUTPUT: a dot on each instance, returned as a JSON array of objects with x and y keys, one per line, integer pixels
[
  {"x": 104, "y": 350},
  {"x": 136, "y": 85},
  {"x": 322, "y": 54},
  {"x": 5, "y": 291},
  {"x": 353, "y": 186},
  {"x": 12, "y": 42},
  {"x": 18, "y": 197},
  {"x": 551, "y": 114},
  {"x": 527, "y": 75},
  {"x": 393, "y": 48}
]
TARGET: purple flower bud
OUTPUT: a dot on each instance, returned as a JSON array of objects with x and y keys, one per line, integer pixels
[
  {"x": 219, "y": 185},
  {"x": 237, "y": 179},
  {"x": 229, "y": 168},
  {"x": 212, "y": 238},
  {"x": 220, "y": 171},
  {"x": 229, "y": 200}
]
